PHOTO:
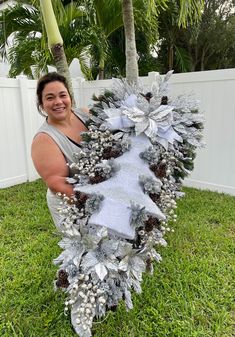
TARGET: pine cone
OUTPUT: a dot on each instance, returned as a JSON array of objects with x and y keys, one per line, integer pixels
[
  {"x": 137, "y": 242},
  {"x": 159, "y": 170},
  {"x": 148, "y": 95},
  {"x": 149, "y": 266},
  {"x": 97, "y": 179},
  {"x": 164, "y": 100},
  {"x": 112, "y": 308},
  {"x": 62, "y": 281},
  {"x": 155, "y": 197},
  {"x": 110, "y": 152},
  {"x": 81, "y": 199},
  {"x": 151, "y": 223}
]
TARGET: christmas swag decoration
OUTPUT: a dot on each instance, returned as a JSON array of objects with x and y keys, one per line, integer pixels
[{"x": 127, "y": 177}]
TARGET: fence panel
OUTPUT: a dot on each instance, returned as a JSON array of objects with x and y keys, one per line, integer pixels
[
  {"x": 32, "y": 121},
  {"x": 214, "y": 164},
  {"x": 13, "y": 168}
]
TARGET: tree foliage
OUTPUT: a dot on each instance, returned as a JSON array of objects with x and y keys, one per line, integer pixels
[
  {"x": 204, "y": 45},
  {"x": 24, "y": 34},
  {"x": 92, "y": 31}
]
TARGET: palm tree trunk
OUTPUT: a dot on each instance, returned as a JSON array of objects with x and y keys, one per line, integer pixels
[
  {"x": 55, "y": 42},
  {"x": 202, "y": 60},
  {"x": 170, "y": 57},
  {"x": 131, "y": 53},
  {"x": 101, "y": 69}
]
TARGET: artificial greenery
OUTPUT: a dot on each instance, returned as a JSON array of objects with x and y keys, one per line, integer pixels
[{"x": 191, "y": 293}]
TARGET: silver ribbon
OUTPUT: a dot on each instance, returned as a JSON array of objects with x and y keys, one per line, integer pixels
[{"x": 155, "y": 124}]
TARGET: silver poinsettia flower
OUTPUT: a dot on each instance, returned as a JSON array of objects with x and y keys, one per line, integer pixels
[
  {"x": 156, "y": 124},
  {"x": 150, "y": 122},
  {"x": 102, "y": 259}
]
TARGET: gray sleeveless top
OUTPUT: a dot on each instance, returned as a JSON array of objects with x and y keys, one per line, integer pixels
[{"x": 68, "y": 148}]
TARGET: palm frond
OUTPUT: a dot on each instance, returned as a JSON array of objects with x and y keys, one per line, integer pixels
[
  {"x": 18, "y": 20},
  {"x": 190, "y": 10},
  {"x": 183, "y": 59}
]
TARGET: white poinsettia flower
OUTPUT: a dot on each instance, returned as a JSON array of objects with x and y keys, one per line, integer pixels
[
  {"x": 133, "y": 265},
  {"x": 150, "y": 122},
  {"x": 102, "y": 259},
  {"x": 156, "y": 124}
]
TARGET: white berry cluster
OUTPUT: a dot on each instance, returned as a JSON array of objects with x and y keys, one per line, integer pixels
[
  {"x": 89, "y": 299},
  {"x": 92, "y": 152}
]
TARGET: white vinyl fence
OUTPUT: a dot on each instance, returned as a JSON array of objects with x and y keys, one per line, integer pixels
[{"x": 214, "y": 165}]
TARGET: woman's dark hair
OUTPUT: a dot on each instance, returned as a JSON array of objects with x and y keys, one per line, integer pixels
[{"x": 43, "y": 81}]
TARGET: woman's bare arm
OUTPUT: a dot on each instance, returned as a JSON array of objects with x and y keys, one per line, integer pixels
[{"x": 50, "y": 164}]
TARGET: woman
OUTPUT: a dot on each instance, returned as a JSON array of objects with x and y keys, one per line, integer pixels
[{"x": 57, "y": 139}]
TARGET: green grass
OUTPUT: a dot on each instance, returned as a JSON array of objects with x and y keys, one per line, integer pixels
[{"x": 190, "y": 295}]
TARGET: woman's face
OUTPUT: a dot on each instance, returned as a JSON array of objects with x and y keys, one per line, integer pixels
[{"x": 56, "y": 101}]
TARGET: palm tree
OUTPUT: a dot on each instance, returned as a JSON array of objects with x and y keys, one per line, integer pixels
[
  {"x": 24, "y": 34},
  {"x": 104, "y": 17},
  {"x": 131, "y": 53},
  {"x": 173, "y": 22},
  {"x": 85, "y": 25},
  {"x": 81, "y": 27},
  {"x": 55, "y": 42},
  {"x": 188, "y": 10}
]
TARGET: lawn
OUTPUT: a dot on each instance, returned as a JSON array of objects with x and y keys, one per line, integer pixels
[{"x": 191, "y": 293}]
